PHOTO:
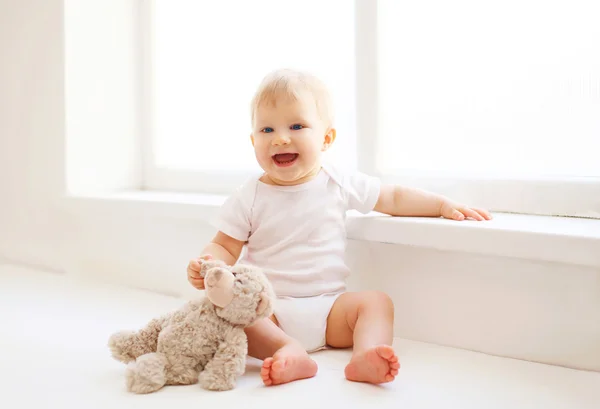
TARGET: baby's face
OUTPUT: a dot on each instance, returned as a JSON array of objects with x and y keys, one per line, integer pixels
[{"x": 288, "y": 139}]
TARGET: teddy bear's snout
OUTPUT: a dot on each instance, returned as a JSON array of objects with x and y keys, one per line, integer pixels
[{"x": 219, "y": 287}]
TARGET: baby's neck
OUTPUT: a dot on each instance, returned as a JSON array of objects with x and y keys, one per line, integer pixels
[{"x": 265, "y": 178}]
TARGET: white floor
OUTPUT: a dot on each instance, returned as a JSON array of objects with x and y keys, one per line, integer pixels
[{"x": 53, "y": 355}]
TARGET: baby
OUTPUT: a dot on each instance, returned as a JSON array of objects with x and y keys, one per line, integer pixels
[{"x": 291, "y": 222}]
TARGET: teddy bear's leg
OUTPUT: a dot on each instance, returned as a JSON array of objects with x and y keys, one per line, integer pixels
[
  {"x": 147, "y": 374},
  {"x": 182, "y": 370},
  {"x": 229, "y": 362},
  {"x": 127, "y": 346}
]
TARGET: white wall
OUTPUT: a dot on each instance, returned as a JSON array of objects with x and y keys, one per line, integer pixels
[
  {"x": 102, "y": 81},
  {"x": 32, "y": 227},
  {"x": 545, "y": 312}
]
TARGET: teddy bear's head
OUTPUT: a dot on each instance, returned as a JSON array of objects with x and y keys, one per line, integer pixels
[{"x": 241, "y": 294}]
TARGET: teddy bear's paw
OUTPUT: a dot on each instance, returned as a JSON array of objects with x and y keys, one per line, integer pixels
[
  {"x": 216, "y": 382},
  {"x": 147, "y": 374},
  {"x": 122, "y": 345}
]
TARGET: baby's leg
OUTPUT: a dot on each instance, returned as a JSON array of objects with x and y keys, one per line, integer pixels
[
  {"x": 365, "y": 320},
  {"x": 285, "y": 360}
]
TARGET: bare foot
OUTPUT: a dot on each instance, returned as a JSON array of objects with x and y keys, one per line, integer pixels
[
  {"x": 290, "y": 363},
  {"x": 376, "y": 365}
]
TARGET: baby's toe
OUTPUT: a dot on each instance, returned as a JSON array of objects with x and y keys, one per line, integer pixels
[
  {"x": 265, "y": 371},
  {"x": 386, "y": 352}
]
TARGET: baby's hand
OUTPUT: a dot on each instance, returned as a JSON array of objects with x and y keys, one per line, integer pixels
[
  {"x": 193, "y": 272},
  {"x": 455, "y": 211}
]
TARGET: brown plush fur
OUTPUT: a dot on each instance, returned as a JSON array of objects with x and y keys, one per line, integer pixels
[{"x": 199, "y": 342}]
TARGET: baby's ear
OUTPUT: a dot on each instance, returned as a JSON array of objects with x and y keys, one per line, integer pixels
[
  {"x": 329, "y": 138},
  {"x": 264, "y": 303}
]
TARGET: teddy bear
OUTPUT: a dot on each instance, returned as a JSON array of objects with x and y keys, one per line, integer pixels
[{"x": 204, "y": 341}]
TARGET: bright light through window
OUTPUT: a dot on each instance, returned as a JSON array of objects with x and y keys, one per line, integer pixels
[
  {"x": 508, "y": 89},
  {"x": 209, "y": 56}
]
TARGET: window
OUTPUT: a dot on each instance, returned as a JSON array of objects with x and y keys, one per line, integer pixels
[
  {"x": 504, "y": 89},
  {"x": 207, "y": 59},
  {"x": 496, "y": 104},
  {"x": 504, "y": 92}
]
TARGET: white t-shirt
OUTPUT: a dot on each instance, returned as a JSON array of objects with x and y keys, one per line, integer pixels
[{"x": 297, "y": 234}]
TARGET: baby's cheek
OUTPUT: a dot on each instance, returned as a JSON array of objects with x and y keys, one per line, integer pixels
[{"x": 261, "y": 154}]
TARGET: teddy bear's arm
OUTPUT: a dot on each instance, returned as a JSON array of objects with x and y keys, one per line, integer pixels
[
  {"x": 229, "y": 362},
  {"x": 127, "y": 346}
]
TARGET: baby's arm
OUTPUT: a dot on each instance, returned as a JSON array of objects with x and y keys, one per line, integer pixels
[
  {"x": 403, "y": 201},
  {"x": 222, "y": 247}
]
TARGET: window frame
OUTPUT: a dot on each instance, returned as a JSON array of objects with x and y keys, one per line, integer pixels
[{"x": 574, "y": 197}]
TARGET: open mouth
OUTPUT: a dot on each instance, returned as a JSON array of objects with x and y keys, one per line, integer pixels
[{"x": 285, "y": 159}]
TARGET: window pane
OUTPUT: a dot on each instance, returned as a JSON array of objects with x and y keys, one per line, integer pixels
[
  {"x": 507, "y": 88},
  {"x": 209, "y": 57}
]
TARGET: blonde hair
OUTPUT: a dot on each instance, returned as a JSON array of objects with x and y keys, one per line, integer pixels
[{"x": 286, "y": 84}]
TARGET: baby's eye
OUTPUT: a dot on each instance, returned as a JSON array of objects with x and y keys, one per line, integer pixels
[
  {"x": 297, "y": 127},
  {"x": 267, "y": 130}
]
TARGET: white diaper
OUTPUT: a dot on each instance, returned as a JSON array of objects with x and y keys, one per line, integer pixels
[{"x": 305, "y": 318}]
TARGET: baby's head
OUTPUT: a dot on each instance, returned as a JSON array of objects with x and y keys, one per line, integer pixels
[{"x": 292, "y": 123}]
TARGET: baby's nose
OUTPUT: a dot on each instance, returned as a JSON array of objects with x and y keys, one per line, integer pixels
[
  {"x": 281, "y": 140},
  {"x": 214, "y": 278}
]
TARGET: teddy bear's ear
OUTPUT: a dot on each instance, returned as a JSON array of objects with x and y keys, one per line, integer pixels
[
  {"x": 209, "y": 263},
  {"x": 263, "y": 304}
]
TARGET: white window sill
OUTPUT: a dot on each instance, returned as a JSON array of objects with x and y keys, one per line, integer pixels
[{"x": 542, "y": 238}]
